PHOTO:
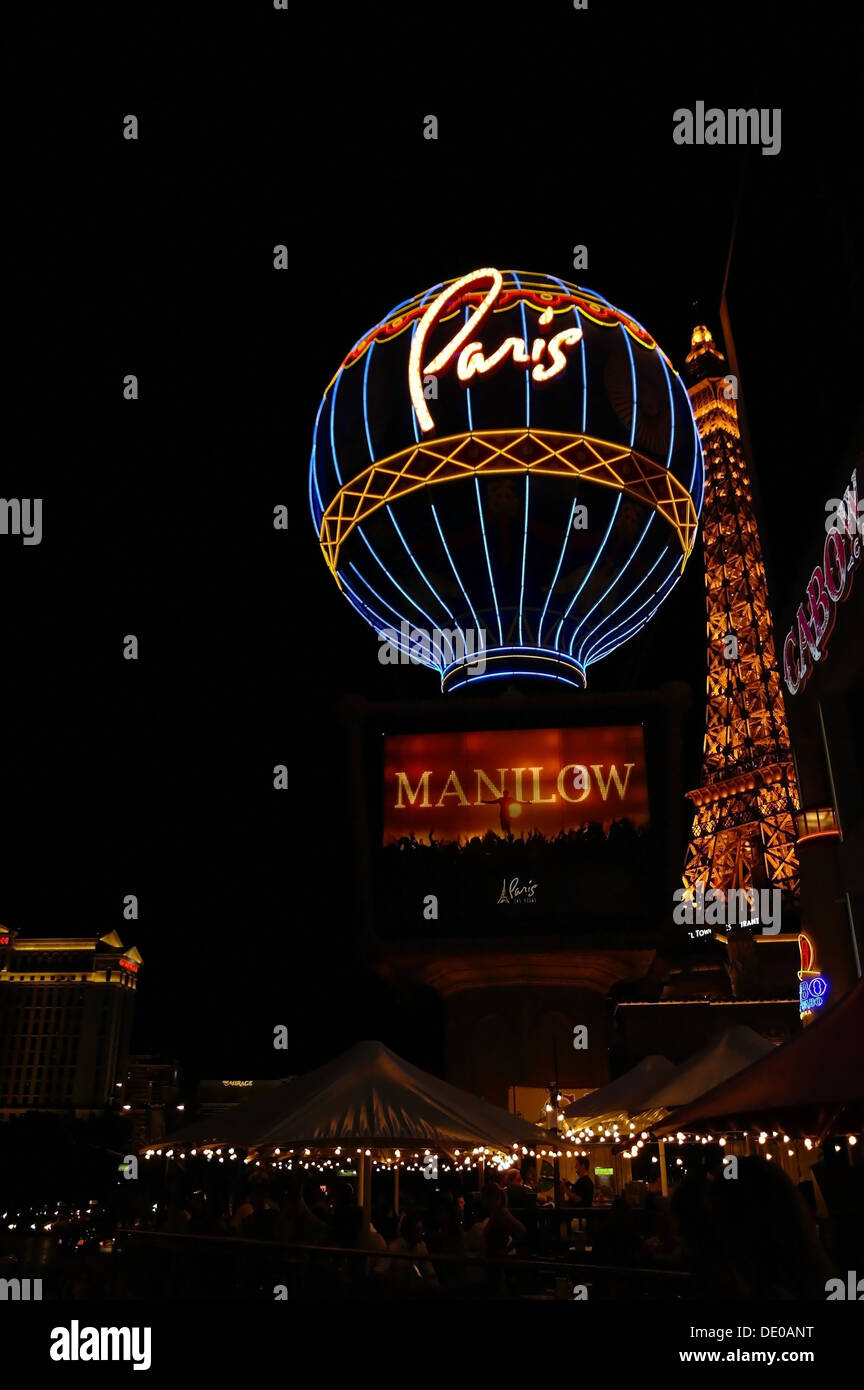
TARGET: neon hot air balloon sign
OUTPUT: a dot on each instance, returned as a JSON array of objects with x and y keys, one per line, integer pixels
[{"x": 509, "y": 455}]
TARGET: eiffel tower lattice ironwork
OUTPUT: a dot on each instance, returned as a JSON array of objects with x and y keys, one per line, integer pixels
[{"x": 743, "y": 832}]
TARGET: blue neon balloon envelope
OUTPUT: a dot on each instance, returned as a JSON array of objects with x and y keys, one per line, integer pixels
[{"x": 554, "y": 516}]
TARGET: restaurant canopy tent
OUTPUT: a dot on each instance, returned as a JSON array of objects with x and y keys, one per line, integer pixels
[
  {"x": 366, "y": 1098},
  {"x": 808, "y": 1087},
  {"x": 613, "y": 1104},
  {"x": 736, "y": 1048}
]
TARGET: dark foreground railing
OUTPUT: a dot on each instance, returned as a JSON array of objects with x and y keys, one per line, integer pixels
[
  {"x": 141, "y": 1264},
  {"x": 150, "y": 1264}
]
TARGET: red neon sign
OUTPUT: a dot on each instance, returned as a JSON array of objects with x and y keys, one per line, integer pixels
[{"x": 830, "y": 585}]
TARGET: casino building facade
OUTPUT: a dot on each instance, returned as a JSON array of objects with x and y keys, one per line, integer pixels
[
  {"x": 511, "y": 940},
  {"x": 66, "y": 1010},
  {"x": 823, "y": 672},
  {"x": 512, "y": 464}
]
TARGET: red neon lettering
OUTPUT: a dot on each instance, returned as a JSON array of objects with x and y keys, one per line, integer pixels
[
  {"x": 806, "y": 641},
  {"x": 829, "y": 585},
  {"x": 791, "y": 666},
  {"x": 833, "y": 560},
  {"x": 823, "y": 612}
]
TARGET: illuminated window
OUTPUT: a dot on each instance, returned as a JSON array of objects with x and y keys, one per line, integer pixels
[{"x": 811, "y": 824}]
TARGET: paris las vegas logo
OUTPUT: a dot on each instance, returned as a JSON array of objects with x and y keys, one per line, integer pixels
[
  {"x": 545, "y": 357},
  {"x": 518, "y": 894}
]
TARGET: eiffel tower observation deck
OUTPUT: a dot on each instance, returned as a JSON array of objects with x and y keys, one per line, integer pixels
[{"x": 743, "y": 832}]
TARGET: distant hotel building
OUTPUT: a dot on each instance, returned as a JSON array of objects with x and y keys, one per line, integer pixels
[
  {"x": 152, "y": 1089},
  {"x": 66, "y": 1006}
]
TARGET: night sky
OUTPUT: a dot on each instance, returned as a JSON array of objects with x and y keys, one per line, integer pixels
[{"x": 260, "y": 127}]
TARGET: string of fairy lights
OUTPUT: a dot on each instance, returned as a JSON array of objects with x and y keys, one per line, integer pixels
[
  {"x": 457, "y": 1161},
  {"x": 481, "y": 1155},
  {"x": 572, "y": 1143}
]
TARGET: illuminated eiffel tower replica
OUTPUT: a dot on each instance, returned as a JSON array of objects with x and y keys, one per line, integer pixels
[{"x": 743, "y": 833}]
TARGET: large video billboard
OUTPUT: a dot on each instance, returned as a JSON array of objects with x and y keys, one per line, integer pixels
[
  {"x": 521, "y": 782},
  {"x": 479, "y": 826}
]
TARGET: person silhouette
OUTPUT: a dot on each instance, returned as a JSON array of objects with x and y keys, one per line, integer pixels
[{"x": 503, "y": 803}]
